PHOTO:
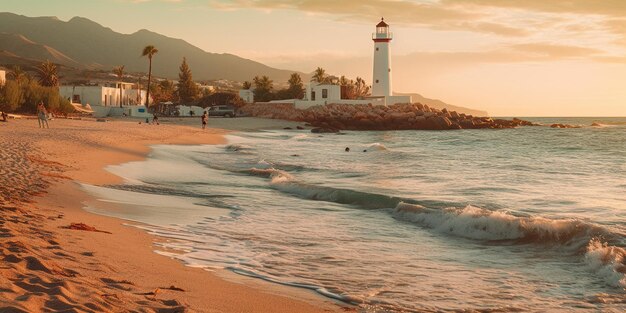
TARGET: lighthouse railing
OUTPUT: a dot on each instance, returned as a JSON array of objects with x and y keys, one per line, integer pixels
[{"x": 382, "y": 35}]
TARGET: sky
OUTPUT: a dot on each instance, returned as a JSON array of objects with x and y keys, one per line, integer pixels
[{"x": 510, "y": 58}]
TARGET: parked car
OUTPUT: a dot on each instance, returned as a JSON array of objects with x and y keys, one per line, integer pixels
[{"x": 222, "y": 110}]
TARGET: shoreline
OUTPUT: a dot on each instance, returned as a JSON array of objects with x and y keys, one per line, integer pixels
[{"x": 120, "y": 270}]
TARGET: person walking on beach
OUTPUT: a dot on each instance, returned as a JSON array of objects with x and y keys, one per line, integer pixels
[
  {"x": 42, "y": 116},
  {"x": 205, "y": 118},
  {"x": 155, "y": 119}
]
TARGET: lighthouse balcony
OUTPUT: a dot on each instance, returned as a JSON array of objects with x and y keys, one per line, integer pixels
[{"x": 387, "y": 35}]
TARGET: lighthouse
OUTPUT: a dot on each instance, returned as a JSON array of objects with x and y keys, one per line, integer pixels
[{"x": 381, "y": 84}]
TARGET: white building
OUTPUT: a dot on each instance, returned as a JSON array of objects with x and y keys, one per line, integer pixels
[
  {"x": 322, "y": 94},
  {"x": 3, "y": 77},
  {"x": 247, "y": 95},
  {"x": 190, "y": 110},
  {"x": 114, "y": 99}
]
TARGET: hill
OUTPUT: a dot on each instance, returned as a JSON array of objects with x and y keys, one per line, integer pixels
[
  {"x": 88, "y": 45},
  {"x": 438, "y": 104}
]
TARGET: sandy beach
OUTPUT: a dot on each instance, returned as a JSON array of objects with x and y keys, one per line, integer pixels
[{"x": 58, "y": 257}]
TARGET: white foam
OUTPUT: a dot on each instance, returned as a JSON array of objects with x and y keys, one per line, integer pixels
[
  {"x": 476, "y": 223},
  {"x": 608, "y": 261},
  {"x": 377, "y": 146}
]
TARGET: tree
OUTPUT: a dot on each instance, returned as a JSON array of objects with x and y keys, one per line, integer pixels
[
  {"x": 221, "y": 98},
  {"x": 295, "y": 89},
  {"x": 163, "y": 92},
  {"x": 187, "y": 89},
  {"x": 11, "y": 96},
  {"x": 47, "y": 74},
  {"x": 263, "y": 87},
  {"x": 319, "y": 76},
  {"x": 246, "y": 85},
  {"x": 149, "y": 51},
  {"x": 16, "y": 73},
  {"x": 296, "y": 85},
  {"x": 24, "y": 98},
  {"x": 361, "y": 89},
  {"x": 119, "y": 72}
]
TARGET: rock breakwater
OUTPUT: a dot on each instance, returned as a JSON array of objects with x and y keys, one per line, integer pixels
[{"x": 414, "y": 116}]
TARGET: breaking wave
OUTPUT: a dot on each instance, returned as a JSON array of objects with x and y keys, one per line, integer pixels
[
  {"x": 481, "y": 224},
  {"x": 377, "y": 147},
  {"x": 578, "y": 236},
  {"x": 608, "y": 261}
]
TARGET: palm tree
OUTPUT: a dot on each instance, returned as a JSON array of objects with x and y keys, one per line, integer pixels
[
  {"x": 343, "y": 81},
  {"x": 319, "y": 76},
  {"x": 149, "y": 51},
  {"x": 246, "y": 85},
  {"x": 362, "y": 89},
  {"x": 119, "y": 72},
  {"x": 16, "y": 73},
  {"x": 47, "y": 74}
]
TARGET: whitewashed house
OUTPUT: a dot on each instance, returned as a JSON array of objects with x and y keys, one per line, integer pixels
[
  {"x": 109, "y": 99},
  {"x": 247, "y": 95}
]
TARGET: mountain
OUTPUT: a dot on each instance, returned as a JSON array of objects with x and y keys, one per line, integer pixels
[
  {"x": 438, "y": 104},
  {"x": 85, "y": 44},
  {"x": 15, "y": 45}
]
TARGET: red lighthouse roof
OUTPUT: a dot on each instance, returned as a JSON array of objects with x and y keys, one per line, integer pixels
[{"x": 382, "y": 23}]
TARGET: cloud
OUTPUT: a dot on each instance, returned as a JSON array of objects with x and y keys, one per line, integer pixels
[
  {"x": 404, "y": 13},
  {"x": 602, "y": 7}
]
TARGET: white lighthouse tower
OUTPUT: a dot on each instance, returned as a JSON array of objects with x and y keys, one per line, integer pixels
[{"x": 381, "y": 85}]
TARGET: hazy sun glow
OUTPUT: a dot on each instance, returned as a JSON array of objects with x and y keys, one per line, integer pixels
[{"x": 522, "y": 58}]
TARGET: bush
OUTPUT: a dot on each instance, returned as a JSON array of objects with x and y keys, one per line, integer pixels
[{"x": 24, "y": 97}]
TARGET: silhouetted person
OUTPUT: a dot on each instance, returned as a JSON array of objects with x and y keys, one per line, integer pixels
[
  {"x": 42, "y": 116},
  {"x": 205, "y": 118}
]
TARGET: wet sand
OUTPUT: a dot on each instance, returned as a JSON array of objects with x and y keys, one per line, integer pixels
[{"x": 58, "y": 257}]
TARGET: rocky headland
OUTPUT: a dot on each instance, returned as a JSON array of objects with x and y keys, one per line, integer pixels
[{"x": 416, "y": 116}]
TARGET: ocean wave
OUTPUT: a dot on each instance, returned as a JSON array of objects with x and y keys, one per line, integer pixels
[
  {"x": 377, "y": 147},
  {"x": 285, "y": 182},
  {"x": 481, "y": 224},
  {"x": 608, "y": 261},
  {"x": 599, "y": 245},
  {"x": 300, "y": 137}
]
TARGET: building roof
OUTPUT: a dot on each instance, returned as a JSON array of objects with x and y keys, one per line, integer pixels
[{"x": 382, "y": 23}]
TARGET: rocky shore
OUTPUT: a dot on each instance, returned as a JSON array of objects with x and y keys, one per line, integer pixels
[{"x": 335, "y": 117}]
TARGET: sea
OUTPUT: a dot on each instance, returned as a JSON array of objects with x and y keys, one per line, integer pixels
[{"x": 512, "y": 220}]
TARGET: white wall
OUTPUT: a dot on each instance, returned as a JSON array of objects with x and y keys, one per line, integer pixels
[
  {"x": 184, "y": 110},
  {"x": 246, "y": 95},
  {"x": 102, "y": 96},
  {"x": 333, "y": 92},
  {"x": 381, "y": 84},
  {"x": 3, "y": 77}
]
